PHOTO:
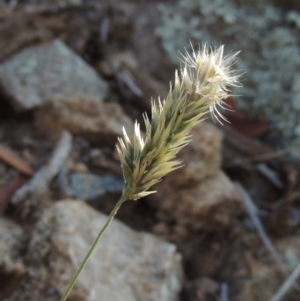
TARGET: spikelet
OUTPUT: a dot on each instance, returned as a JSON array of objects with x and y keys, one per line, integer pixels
[{"x": 203, "y": 85}]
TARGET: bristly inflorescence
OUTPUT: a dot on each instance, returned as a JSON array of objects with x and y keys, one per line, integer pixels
[{"x": 202, "y": 86}]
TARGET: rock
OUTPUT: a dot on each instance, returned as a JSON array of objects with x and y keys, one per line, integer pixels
[
  {"x": 11, "y": 263},
  {"x": 198, "y": 196},
  {"x": 126, "y": 265},
  {"x": 101, "y": 192},
  {"x": 208, "y": 206},
  {"x": 271, "y": 36},
  {"x": 97, "y": 122},
  {"x": 201, "y": 157},
  {"x": 89, "y": 186},
  {"x": 36, "y": 74}
]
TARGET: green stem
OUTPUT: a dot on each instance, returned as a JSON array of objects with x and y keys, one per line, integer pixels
[{"x": 123, "y": 198}]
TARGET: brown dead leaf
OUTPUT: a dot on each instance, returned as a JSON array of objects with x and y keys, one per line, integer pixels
[{"x": 14, "y": 160}]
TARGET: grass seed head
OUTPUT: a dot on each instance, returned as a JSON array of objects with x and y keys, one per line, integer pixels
[{"x": 203, "y": 83}]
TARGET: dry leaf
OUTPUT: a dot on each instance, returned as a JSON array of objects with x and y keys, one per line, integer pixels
[{"x": 14, "y": 160}]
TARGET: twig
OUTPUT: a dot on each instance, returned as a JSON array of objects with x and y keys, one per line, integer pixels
[
  {"x": 103, "y": 34},
  {"x": 123, "y": 199},
  {"x": 269, "y": 174},
  {"x": 261, "y": 158},
  {"x": 224, "y": 292},
  {"x": 290, "y": 281},
  {"x": 280, "y": 220},
  {"x": 126, "y": 77},
  {"x": 39, "y": 184},
  {"x": 252, "y": 211}
]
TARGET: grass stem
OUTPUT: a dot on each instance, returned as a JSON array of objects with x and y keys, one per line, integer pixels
[{"x": 123, "y": 198}]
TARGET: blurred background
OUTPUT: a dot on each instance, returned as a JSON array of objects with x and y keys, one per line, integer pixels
[{"x": 223, "y": 227}]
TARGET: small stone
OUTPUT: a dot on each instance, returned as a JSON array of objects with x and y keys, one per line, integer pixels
[
  {"x": 126, "y": 265},
  {"x": 208, "y": 206},
  {"x": 97, "y": 122},
  {"x": 80, "y": 168},
  {"x": 87, "y": 186},
  {"x": 36, "y": 74}
]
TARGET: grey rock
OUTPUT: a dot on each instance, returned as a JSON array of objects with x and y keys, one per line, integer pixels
[
  {"x": 36, "y": 74},
  {"x": 88, "y": 186},
  {"x": 126, "y": 265}
]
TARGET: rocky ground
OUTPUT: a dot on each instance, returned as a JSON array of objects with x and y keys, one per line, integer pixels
[{"x": 223, "y": 227}]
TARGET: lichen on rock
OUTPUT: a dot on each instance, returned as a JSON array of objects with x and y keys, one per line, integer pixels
[{"x": 269, "y": 40}]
